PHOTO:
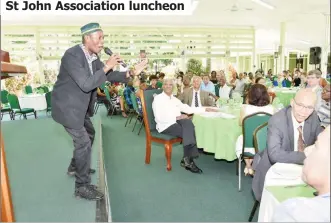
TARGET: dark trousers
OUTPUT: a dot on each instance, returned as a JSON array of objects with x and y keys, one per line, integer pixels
[
  {"x": 83, "y": 140},
  {"x": 184, "y": 128}
]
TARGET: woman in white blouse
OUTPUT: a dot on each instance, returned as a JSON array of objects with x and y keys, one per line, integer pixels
[{"x": 257, "y": 100}]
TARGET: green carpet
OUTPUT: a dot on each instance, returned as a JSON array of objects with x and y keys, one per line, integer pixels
[
  {"x": 38, "y": 153},
  {"x": 141, "y": 193}
]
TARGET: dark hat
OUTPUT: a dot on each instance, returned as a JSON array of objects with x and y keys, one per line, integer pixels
[{"x": 90, "y": 28}]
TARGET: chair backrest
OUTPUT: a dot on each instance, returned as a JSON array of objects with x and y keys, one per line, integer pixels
[
  {"x": 46, "y": 90},
  {"x": 28, "y": 89},
  {"x": 148, "y": 114},
  {"x": 260, "y": 137},
  {"x": 134, "y": 101},
  {"x": 250, "y": 123},
  {"x": 106, "y": 91},
  {"x": 48, "y": 97},
  {"x": 13, "y": 101},
  {"x": 4, "y": 97}
]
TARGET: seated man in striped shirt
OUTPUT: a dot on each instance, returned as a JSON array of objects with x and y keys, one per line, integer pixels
[{"x": 324, "y": 111}]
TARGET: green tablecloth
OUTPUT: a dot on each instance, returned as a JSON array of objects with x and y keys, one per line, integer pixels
[
  {"x": 218, "y": 135},
  {"x": 285, "y": 95},
  {"x": 282, "y": 193}
]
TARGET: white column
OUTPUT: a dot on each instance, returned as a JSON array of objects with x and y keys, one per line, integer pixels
[
  {"x": 39, "y": 58},
  {"x": 281, "y": 48},
  {"x": 325, "y": 47},
  {"x": 254, "y": 59}
]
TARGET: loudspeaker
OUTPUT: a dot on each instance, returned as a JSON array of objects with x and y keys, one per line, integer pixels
[
  {"x": 315, "y": 55},
  {"x": 276, "y": 55}
]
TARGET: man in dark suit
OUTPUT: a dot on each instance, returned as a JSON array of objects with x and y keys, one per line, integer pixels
[
  {"x": 290, "y": 131},
  {"x": 73, "y": 98}
]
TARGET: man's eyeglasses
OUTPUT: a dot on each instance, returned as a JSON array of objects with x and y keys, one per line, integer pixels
[{"x": 302, "y": 106}]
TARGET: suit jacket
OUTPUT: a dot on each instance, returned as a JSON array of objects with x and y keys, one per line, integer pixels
[
  {"x": 75, "y": 90},
  {"x": 187, "y": 96},
  {"x": 280, "y": 145}
]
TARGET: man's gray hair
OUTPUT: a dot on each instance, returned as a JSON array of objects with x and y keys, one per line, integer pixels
[
  {"x": 316, "y": 72},
  {"x": 168, "y": 79},
  {"x": 196, "y": 78}
]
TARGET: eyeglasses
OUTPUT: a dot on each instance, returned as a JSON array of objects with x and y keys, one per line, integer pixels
[{"x": 301, "y": 106}]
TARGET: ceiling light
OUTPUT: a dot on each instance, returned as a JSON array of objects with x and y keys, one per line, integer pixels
[
  {"x": 264, "y": 4},
  {"x": 305, "y": 42}
]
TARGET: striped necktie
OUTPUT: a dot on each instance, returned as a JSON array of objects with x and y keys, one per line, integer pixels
[
  {"x": 196, "y": 99},
  {"x": 301, "y": 146}
]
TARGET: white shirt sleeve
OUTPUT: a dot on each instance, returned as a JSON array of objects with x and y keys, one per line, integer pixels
[
  {"x": 161, "y": 115},
  {"x": 187, "y": 109}
]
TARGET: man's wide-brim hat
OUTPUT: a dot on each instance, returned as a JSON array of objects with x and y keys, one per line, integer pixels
[{"x": 90, "y": 28}]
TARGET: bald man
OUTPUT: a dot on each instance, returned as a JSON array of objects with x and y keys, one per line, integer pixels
[
  {"x": 289, "y": 131},
  {"x": 316, "y": 173}
]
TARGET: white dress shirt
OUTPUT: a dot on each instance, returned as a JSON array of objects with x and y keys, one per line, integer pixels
[
  {"x": 316, "y": 209},
  {"x": 296, "y": 131},
  {"x": 224, "y": 92},
  {"x": 167, "y": 108},
  {"x": 193, "y": 98}
]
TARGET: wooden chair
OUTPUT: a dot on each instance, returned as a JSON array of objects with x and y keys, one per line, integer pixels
[
  {"x": 7, "y": 210},
  {"x": 152, "y": 135}
]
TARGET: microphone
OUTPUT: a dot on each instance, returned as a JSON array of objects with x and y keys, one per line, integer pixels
[{"x": 109, "y": 52}]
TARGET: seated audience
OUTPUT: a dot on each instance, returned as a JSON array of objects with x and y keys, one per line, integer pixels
[
  {"x": 240, "y": 85},
  {"x": 223, "y": 89},
  {"x": 213, "y": 78},
  {"x": 180, "y": 85},
  {"x": 297, "y": 79},
  {"x": 313, "y": 82},
  {"x": 195, "y": 97},
  {"x": 257, "y": 101},
  {"x": 207, "y": 85},
  {"x": 127, "y": 92},
  {"x": 186, "y": 82},
  {"x": 316, "y": 173},
  {"x": 289, "y": 131},
  {"x": 170, "y": 120},
  {"x": 153, "y": 82},
  {"x": 160, "y": 80},
  {"x": 303, "y": 80},
  {"x": 324, "y": 111},
  {"x": 101, "y": 98}
]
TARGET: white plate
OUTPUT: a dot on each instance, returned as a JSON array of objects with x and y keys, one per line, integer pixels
[{"x": 288, "y": 171}]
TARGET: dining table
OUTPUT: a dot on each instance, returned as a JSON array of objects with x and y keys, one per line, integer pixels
[
  {"x": 217, "y": 132},
  {"x": 283, "y": 181}
]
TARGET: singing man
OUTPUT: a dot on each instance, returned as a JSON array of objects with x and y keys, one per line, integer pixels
[{"x": 73, "y": 98}]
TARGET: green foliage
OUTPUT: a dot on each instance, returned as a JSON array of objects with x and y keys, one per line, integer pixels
[
  {"x": 16, "y": 84},
  {"x": 50, "y": 76},
  {"x": 195, "y": 66}
]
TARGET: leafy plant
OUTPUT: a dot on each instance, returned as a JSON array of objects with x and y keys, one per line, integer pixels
[
  {"x": 17, "y": 84},
  {"x": 195, "y": 66}
]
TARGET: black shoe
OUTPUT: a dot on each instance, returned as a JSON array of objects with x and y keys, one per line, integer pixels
[
  {"x": 88, "y": 192},
  {"x": 190, "y": 165},
  {"x": 72, "y": 171}
]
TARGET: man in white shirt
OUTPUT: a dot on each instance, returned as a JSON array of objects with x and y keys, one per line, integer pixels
[
  {"x": 316, "y": 173},
  {"x": 224, "y": 91},
  {"x": 289, "y": 132},
  {"x": 170, "y": 120}
]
